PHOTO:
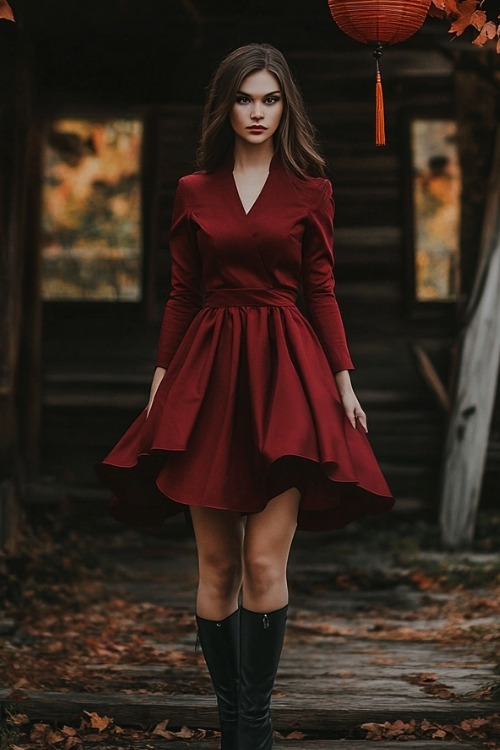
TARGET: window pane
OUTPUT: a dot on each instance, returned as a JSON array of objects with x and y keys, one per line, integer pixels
[
  {"x": 436, "y": 199},
  {"x": 91, "y": 217}
]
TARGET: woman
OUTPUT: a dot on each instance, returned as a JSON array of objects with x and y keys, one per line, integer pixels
[{"x": 252, "y": 421}]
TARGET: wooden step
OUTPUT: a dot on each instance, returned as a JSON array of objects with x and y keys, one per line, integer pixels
[{"x": 308, "y": 714}]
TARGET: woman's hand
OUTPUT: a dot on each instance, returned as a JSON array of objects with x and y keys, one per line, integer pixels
[
  {"x": 157, "y": 378},
  {"x": 352, "y": 407}
]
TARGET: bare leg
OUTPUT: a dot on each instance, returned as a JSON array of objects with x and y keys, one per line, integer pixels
[
  {"x": 268, "y": 538},
  {"x": 219, "y": 540}
]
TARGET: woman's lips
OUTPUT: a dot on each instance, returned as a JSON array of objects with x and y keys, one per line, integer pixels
[{"x": 257, "y": 128}]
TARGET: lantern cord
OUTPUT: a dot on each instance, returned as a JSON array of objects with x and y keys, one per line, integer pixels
[{"x": 379, "y": 105}]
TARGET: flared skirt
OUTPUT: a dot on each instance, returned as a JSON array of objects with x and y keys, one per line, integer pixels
[{"x": 247, "y": 409}]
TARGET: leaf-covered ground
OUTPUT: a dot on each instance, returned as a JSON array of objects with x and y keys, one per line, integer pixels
[{"x": 90, "y": 608}]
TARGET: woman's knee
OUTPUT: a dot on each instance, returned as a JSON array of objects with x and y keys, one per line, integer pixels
[
  {"x": 263, "y": 571},
  {"x": 220, "y": 572}
]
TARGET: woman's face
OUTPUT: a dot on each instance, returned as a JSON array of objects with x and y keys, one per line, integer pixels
[{"x": 256, "y": 113}]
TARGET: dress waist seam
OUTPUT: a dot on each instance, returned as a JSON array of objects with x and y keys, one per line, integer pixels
[{"x": 242, "y": 297}]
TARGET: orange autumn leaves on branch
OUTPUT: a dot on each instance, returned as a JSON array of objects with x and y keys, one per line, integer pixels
[
  {"x": 6, "y": 11},
  {"x": 465, "y": 13}
]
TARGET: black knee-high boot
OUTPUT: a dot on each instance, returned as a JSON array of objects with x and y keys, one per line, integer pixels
[
  {"x": 260, "y": 650},
  {"x": 220, "y": 643}
]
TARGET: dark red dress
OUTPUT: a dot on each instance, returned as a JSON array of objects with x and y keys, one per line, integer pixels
[{"x": 248, "y": 406}]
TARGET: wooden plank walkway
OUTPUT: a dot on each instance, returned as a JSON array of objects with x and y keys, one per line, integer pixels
[{"x": 376, "y": 654}]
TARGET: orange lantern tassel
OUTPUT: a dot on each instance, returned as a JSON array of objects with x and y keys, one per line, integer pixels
[
  {"x": 379, "y": 106},
  {"x": 378, "y": 23}
]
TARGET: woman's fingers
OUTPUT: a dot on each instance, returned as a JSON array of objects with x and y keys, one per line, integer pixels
[
  {"x": 361, "y": 419},
  {"x": 355, "y": 413}
]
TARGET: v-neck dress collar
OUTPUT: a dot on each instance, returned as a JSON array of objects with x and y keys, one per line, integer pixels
[{"x": 227, "y": 168}]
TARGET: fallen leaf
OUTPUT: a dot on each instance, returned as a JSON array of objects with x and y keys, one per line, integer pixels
[
  {"x": 18, "y": 719},
  {"x": 165, "y": 733},
  {"x": 468, "y": 724},
  {"x": 439, "y": 734},
  {"x": 39, "y": 732},
  {"x": 22, "y": 683},
  {"x": 425, "y": 725},
  {"x": 423, "y": 581},
  {"x": 161, "y": 726},
  {"x": 387, "y": 730},
  {"x": 98, "y": 722},
  {"x": 69, "y": 731},
  {"x": 375, "y": 731},
  {"x": 185, "y": 733},
  {"x": 161, "y": 731},
  {"x": 72, "y": 742},
  {"x": 54, "y": 737}
]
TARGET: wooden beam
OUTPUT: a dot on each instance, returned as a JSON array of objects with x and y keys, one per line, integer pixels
[
  {"x": 20, "y": 304},
  {"x": 469, "y": 427},
  {"x": 307, "y": 714},
  {"x": 9, "y": 517},
  {"x": 431, "y": 377}
]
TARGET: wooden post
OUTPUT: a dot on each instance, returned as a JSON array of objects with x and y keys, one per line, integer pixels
[
  {"x": 9, "y": 517},
  {"x": 19, "y": 298},
  {"x": 468, "y": 432}
]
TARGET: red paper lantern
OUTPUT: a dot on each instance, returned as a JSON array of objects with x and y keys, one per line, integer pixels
[{"x": 378, "y": 23}]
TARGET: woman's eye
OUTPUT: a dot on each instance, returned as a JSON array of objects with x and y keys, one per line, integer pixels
[{"x": 268, "y": 100}]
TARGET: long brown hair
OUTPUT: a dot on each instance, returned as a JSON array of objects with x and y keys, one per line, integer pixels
[{"x": 295, "y": 141}]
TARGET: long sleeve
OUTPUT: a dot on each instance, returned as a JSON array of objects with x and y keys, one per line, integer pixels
[
  {"x": 319, "y": 284},
  {"x": 185, "y": 299}
]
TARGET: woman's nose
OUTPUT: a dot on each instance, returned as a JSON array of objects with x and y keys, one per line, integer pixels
[{"x": 257, "y": 112}]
